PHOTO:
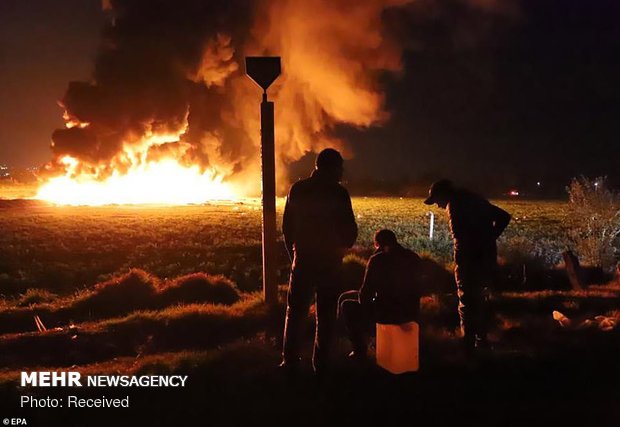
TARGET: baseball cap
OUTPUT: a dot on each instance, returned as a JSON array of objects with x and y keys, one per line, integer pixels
[{"x": 438, "y": 188}]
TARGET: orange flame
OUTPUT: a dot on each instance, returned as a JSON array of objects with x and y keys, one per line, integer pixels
[
  {"x": 164, "y": 180},
  {"x": 333, "y": 53}
]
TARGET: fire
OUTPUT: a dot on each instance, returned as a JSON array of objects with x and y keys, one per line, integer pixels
[
  {"x": 72, "y": 123},
  {"x": 169, "y": 117},
  {"x": 161, "y": 182},
  {"x": 164, "y": 180}
]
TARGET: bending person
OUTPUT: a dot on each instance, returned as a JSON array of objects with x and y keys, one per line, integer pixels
[{"x": 475, "y": 225}]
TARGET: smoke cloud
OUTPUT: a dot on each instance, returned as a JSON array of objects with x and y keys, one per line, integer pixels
[{"x": 169, "y": 81}]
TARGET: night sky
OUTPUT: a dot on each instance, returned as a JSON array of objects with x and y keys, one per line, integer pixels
[
  {"x": 43, "y": 45},
  {"x": 493, "y": 98},
  {"x": 533, "y": 97}
]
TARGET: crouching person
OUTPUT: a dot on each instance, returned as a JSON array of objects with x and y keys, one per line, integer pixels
[{"x": 389, "y": 294}]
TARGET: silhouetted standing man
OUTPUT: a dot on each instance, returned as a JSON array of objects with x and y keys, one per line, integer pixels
[
  {"x": 475, "y": 225},
  {"x": 318, "y": 227}
]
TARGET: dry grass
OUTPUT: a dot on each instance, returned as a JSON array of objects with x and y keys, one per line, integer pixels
[
  {"x": 199, "y": 287},
  {"x": 135, "y": 290},
  {"x": 192, "y": 326}
]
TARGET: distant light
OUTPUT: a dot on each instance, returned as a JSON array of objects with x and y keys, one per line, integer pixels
[
  {"x": 538, "y": 183},
  {"x": 513, "y": 193},
  {"x": 596, "y": 184}
]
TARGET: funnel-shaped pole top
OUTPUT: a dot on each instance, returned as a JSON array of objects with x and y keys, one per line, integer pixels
[{"x": 264, "y": 70}]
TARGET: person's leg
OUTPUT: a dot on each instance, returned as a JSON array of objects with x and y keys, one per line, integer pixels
[
  {"x": 346, "y": 296},
  {"x": 484, "y": 316},
  {"x": 477, "y": 313},
  {"x": 488, "y": 279},
  {"x": 327, "y": 294},
  {"x": 299, "y": 298},
  {"x": 464, "y": 284},
  {"x": 356, "y": 323}
]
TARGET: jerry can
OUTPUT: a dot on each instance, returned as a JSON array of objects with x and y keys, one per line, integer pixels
[{"x": 398, "y": 347}]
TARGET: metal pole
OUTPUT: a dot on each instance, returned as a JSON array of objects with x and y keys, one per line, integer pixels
[
  {"x": 264, "y": 70},
  {"x": 268, "y": 166},
  {"x": 431, "y": 227}
]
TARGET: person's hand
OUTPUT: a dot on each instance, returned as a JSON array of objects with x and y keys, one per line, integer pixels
[{"x": 290, "y": 252}]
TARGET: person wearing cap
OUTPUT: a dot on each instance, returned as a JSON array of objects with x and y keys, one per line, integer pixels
[
  {"x": 318, "y": 227},
  {"x": 390, "y": 292},
  {"x": 475, "y": 225}
]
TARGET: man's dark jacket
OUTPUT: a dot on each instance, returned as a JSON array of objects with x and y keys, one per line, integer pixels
[
  {"x": 391, "y": 286},
  {"x": 318, "y": 223},
  {"x": 475, "y": 225}
]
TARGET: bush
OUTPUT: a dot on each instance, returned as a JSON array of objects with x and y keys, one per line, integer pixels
[
  {"x": 594, "y": 217},
  {"x": 435, "y": 277},
  {"x": 200, "y": 287},
  {"x": 118, "y": 295},
  {"x": 534, "y": 254},
  {"x": 35, "y": 296},
  {"x": 353, "y": 269},
  {"x": 134, "y": 291}
]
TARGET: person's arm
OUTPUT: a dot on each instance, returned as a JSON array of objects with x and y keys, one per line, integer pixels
[
  {"x": 456, "y": 216},
  {"x": 288, "y": 225},
  {"x": 501, "y": 219},
  {"x": 416, "y": 274},
  {"x": 348, "y": 225},
  {"x": 369, "y": 285},
  {"x": 416, "y": 264}
]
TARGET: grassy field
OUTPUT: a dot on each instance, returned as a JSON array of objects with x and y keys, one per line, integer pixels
[
  {"x": 63, "y": 249},
  {"x": 155, "y": 290}
]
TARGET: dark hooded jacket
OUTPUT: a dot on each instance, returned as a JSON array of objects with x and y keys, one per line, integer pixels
[
  {"x": 392, "y": 286},
  {"x": 475, "y": 225},
  {"x": 318, "y": 223}
]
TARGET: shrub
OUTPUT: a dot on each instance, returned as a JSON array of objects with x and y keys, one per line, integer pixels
[
  {"x": 353, "y": 269},
  {"x": 119, "y": 295},
  {"x": 200, "y": 287},
  {"x": 35, "y": 296},
  {"x": 434, "y": 276},
  {"x": 529, "y": 264},
  {"x": 594, "y": 217},
  {"x": 527, "y": 251}
]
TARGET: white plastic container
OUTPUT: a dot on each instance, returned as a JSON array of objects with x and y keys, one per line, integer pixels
[{"x": 398, "y": 347}]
